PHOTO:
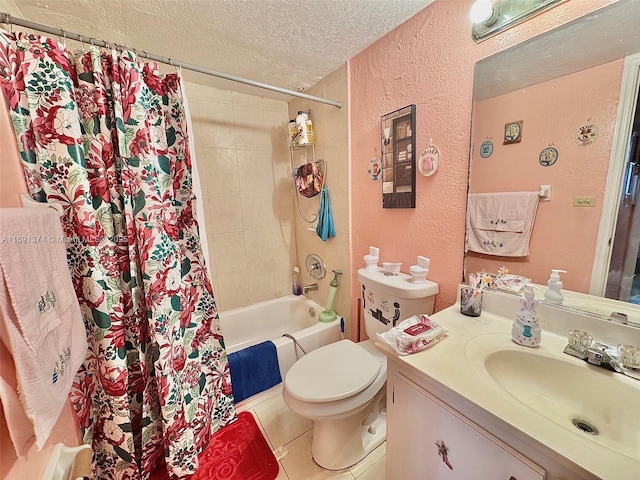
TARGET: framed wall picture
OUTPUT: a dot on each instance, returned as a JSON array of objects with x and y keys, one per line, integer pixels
[
  {"x": 398, "y": 146},
  {"x": 513, "y": 132}
]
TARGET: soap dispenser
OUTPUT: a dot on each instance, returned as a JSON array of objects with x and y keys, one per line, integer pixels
[
  {"x": 371, "y": 260},
  {"x": 553, "y": 295},
  {"x": 525, "y": 330}
]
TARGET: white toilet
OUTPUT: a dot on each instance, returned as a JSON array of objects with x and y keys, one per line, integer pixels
[{"x": 341, "y": 386}]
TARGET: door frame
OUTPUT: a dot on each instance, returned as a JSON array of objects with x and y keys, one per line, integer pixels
[{"x": 611, "y": 201}]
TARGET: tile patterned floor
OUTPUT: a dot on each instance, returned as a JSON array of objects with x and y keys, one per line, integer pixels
[{"x": 283, "y": 428}]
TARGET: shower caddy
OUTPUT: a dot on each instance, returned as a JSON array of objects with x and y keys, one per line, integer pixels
[{"x": 304, "y": 151}]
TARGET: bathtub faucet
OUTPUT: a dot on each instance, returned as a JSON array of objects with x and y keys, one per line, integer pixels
[{"x": 308, "y": 288}]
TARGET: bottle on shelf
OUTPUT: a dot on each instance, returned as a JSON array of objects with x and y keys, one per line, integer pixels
[
  {"x": 304, "y": 130},
  {"x": 293, "y": 131},
  {"x": 296, "y": 288}
]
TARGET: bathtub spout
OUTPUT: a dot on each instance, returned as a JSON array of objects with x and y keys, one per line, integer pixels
[{"x": 308, "y": 288}]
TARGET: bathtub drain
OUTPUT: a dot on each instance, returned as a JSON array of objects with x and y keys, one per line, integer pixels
[{"x": 584, "y": 426}]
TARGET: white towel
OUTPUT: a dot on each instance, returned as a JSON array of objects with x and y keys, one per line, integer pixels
[
  {"x": 501, "y": 212},
  {"x": 40, "y": 319},
  {"x": 501, "y": 223}
]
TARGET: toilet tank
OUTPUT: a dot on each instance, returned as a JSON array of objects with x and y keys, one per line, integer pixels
[{"x": 389, "y": 299}]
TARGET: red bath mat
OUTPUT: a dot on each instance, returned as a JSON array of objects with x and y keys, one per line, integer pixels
[{"x": 236, "y": 452}]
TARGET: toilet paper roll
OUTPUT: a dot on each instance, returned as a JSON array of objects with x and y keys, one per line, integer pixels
[{"x": 81, "y": 468}]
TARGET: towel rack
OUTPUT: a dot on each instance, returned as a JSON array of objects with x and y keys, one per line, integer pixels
[{"x": 545, "y": 193}]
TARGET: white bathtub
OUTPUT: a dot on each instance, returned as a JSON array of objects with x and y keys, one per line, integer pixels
[{"x": 295, "y": 315}]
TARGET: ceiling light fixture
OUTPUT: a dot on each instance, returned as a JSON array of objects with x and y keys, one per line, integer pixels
[{"x": 489, "y": 18}]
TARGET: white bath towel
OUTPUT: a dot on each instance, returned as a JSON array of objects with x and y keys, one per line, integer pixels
[
  {"x": 501, "y": 223},
  {"x": 40, "y": 319}
]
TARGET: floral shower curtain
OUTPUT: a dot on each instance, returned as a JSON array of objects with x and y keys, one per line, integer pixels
[{"x": 105, "y": 136}]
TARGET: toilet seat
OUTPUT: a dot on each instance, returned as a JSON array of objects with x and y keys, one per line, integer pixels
[{"x": 333, "y": 372}]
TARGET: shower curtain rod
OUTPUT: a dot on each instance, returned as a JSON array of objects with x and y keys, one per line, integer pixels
[{"x": 11, "y": 20}]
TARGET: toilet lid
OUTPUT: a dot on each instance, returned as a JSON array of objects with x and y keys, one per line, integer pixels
[{"x": 333, "y": 372}]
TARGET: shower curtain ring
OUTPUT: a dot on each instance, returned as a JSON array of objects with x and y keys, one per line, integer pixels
[{"x": 63, "y": 38}]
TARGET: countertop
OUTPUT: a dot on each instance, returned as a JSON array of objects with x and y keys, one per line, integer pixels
[{"x": 454, "y": 364}]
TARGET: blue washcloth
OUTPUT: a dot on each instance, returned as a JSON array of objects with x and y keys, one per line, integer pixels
[
  {"x": 325, "y": 228},
  {"x": 253, "y": 370}
]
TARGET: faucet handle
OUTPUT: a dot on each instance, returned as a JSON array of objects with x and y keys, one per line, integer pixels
[
  {"x": 580, "y": 340},
  {"x": 629, "y": 356}
]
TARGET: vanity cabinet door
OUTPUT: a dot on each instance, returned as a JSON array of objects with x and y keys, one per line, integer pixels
[{"x": 427, "y": 439}]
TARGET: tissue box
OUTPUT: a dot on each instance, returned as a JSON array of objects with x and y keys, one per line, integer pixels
[{"x": 414, "y": 334}]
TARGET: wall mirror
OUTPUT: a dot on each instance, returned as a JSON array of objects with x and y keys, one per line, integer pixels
[
  {"x": 398, "y": 147},
  {"x": 558, "y": 84}
]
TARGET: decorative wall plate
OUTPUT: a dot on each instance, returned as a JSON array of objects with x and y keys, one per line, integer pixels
[
  {"x": 429, "y": 160},
  {"x": 513, "y": 132},
  {"x": 486, "y": 149},
  {"x": 375, "y": 169},
  {"x": 548, "y": 156},
  {"x": 587, "y": 134}
]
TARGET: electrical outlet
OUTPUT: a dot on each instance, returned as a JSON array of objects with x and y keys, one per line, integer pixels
[{"x": 584, "y": 201}]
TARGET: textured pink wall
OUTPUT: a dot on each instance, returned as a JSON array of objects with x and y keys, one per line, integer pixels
[
  {"x": 429, "y": 61},
  {"x": 564, "y": 236}
]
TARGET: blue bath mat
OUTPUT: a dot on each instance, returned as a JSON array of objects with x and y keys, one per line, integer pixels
[{"x": 253, "y": 370}]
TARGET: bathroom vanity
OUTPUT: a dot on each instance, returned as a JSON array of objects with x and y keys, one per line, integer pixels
[{"x": 478, "y": 405}]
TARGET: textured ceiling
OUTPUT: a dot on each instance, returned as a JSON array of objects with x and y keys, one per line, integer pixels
[{"x": 286, "y": 43}]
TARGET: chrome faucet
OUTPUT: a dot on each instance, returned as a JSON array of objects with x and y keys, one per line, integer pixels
[
  {"x": 607, "y": 356},
  {"x": 308, "y": 288}
]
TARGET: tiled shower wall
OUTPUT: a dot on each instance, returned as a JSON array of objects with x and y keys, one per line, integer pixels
[
  {"x": 331, "y": 128},
  {"x": 243, "y": 162},
  {"x": 254, "y": 231}
]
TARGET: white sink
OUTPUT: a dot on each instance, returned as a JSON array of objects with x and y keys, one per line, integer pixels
[{"x": 567, "y": 391}]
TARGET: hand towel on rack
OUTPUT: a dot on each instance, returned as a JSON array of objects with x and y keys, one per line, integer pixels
[
  {"x": 40, "y": 319},
  {"x": 325, "y": 228},
  {"x": 502, "y": 212},
  {"x": 501, "y": 223}
]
